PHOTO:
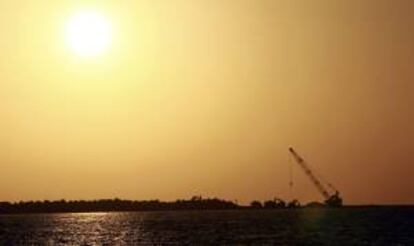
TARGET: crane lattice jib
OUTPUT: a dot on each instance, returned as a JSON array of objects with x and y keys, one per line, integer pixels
[{"x": 310, "y": 174}]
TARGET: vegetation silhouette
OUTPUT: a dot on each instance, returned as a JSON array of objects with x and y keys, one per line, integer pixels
[{"x": 118, "y": 205}]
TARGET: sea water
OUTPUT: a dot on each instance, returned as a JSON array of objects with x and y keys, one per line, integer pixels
[{"x": 317, "y": 226}]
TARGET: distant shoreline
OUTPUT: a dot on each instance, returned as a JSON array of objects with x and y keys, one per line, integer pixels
[{"x": 193, "y": 204}]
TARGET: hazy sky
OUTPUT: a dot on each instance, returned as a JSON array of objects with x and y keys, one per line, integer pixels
[{"x": 205, "y": 97}]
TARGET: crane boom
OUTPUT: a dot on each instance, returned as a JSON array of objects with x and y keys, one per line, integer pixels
[{"x": 310, "y": 174}]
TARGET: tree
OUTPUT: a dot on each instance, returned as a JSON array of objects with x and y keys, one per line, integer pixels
[{"x": 256, "y": 204}]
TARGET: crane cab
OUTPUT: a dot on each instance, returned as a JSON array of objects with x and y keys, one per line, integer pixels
[{"x": 334, "y": 201}]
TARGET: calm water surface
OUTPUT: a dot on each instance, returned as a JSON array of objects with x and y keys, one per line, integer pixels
[{"x": 369, "y": 226}]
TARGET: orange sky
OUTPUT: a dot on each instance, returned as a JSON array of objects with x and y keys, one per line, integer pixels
[{"x": 205, "y": 97}]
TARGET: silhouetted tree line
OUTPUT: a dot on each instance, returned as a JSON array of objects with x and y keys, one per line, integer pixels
[
  {"x": 113, "y": 205},
  {"x": 275, "y": 203}
]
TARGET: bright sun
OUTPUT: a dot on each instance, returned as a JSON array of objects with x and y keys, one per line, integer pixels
[{"x": 88, "y": 33}]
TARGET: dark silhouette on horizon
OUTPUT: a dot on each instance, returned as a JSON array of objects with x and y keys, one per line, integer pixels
[
  {"x": 118, "y": 205},
  {"x": 110, "y": 205}
]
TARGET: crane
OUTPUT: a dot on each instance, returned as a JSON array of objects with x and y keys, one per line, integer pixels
[{"x": 331, "y": 199}]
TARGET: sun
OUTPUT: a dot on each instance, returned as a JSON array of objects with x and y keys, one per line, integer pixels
[{"x": 88, "y": 33}]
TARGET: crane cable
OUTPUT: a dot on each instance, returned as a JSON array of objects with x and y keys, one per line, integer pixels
[{"x": 290, "y": 177}]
